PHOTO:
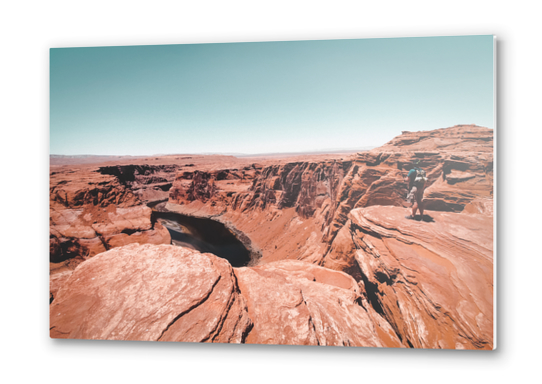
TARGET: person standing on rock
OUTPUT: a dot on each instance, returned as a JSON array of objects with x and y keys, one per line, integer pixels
[{"x": 416, "y": 185}]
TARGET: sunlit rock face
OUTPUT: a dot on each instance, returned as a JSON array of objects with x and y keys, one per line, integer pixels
[
  {"x": 432, "y": 280},
  {"x": 151, "y": 292},
  {"x": 168, "y": 293},
  {"x": 294, "y": 210}
]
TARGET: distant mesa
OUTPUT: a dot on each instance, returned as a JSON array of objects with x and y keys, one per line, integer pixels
[{"x": 462, "y": 138}]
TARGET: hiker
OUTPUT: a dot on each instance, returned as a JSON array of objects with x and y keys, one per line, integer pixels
[{"x": 416, "y": 185}]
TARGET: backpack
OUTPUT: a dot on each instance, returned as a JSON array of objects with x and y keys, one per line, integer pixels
[{"x": 420, "y": 178}]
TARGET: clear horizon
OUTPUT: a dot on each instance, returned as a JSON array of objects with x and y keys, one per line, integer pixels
[
  {"x": 325, "y": 150},
  {"x": 268, "y": 97}
]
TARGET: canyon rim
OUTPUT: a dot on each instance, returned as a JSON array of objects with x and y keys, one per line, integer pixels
[
  {"x": 277, "y": 205},
  {"x": 305, "y": 250}
]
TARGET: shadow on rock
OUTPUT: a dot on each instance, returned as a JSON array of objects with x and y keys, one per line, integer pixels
[{"x": 426, "y": 218}]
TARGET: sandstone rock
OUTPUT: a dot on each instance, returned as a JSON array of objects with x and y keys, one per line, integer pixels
[
  {"x": 57, "y": 280},
  {"x": 137, "y": 218},
  {"x": 258, "y": 201},
  {"x": 91, "y": 212},
  {"x": 419, "y": 284},
  {"x": 151, "y": 292},
  {"x": 159, "y": 235},
  {"x": 169, "y": 293},
  {"x": 465, "y": 138},
  {"x": 76, "y": 188},
  {"x": 293, "y": 302},
  {"x": 482, "y": 206},
  {"x": 433, "y": 281}
]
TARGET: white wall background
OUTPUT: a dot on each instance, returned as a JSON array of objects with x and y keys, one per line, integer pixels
[{"x": 28, "y": 29}]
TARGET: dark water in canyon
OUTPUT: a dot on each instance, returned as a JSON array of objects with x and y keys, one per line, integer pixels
[{"x": 204, "y": 235}]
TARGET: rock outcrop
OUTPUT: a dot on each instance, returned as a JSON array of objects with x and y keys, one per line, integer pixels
[
  {"x": 91, "y": 213},
  {"x": 168, "y": 293},
  {"x": 150, "y": 292},
  {"x": 460, "y": 138},
  {"x": 97, "y": 202},
  {"x": 294, "y": 302},
  {"x": 150, "y": 183},
  {"x": 431, "y": 280}
]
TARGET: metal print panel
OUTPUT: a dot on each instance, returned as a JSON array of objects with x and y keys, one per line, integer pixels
[{"x": 333, "y": 193}]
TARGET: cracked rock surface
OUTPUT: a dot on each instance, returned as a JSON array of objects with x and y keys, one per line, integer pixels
[
  {"x": 294, "y": 302},
  {"x": 151, "y": 292},
  {"x": 433, "y": 281},
  {"x": 167, "y": 293}
]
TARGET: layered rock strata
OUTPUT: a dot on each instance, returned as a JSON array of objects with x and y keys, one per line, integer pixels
[
  {"x": 150, "y": 183},
  {"x": 295, "y": 210},
  {"x": 91, "y": 213},
  {"x": 94, "y": 208},
  {"x": 432, "y": 280},
  {"x": 294, "y": 302}
]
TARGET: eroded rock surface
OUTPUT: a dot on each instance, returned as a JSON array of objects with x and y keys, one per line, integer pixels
[
  {"x": 368, "y": 276},
  {"x": 100, "y": 202},
  {"x": 168, "y": 293},
  {"x": 294, "y": 302},
  {"x": 431, "y": 280},
  {"x": 91, "y": 213},
  {"x": 150, "y": 183},
  {"x": 151, "y": 292},
  {"x": 460, "y": 138}
]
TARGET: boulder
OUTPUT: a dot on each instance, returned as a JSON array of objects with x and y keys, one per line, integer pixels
[{"x": 151, "y": 292}]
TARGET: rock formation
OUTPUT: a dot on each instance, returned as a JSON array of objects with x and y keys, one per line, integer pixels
[
  {"x": 160, "y": 293},
  {"x": 433, "y": 281},
  {"x": 322, "y": 212},
  {"x": 294, "y": 302},
  {"x": 334, "y": 261},
  {"x": 89, "y": 204},
  {"x": 98, "y": 203},
  {"x": 168, "y": 293},
  {"x": 91, "y": 212},
  {"x": 268, "y": 202},
  {"x": 150, "y": 183}
]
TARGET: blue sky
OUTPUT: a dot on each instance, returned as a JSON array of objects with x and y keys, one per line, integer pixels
[{"x": 265, "y": 97}]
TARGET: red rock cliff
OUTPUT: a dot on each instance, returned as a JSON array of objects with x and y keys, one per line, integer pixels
[
  {"x": 431, "y": 280},
  {"x": 267, "y": 202}
]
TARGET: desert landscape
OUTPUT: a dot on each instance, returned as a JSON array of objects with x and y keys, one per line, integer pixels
[{"x": 304, "y": 249}]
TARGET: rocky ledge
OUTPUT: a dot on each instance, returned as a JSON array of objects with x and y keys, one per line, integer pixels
[
  {"x": 432, "y": 280},
  {"x": 168, "y": 293}
]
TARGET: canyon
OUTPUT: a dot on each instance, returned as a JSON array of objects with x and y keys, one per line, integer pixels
[{"x": 330, "y": 258}]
